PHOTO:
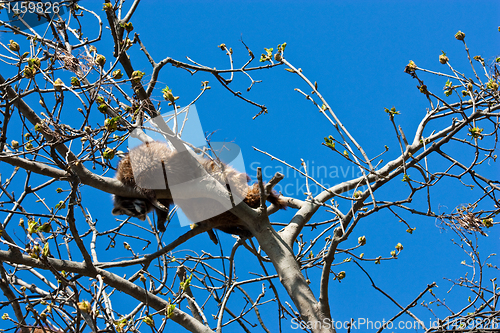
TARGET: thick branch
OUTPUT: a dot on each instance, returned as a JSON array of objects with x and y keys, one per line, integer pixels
[{"x": 112, "y": 280}]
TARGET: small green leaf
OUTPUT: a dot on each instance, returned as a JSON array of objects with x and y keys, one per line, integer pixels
[
  {"x": 392, "y": 112},
  {"x": 170, "y": 310}
]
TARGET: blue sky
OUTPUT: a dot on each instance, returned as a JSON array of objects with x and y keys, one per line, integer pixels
[{"x": 356, "y": 51}]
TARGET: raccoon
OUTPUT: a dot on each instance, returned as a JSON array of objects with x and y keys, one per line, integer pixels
[{"x": 155, "y": 161}]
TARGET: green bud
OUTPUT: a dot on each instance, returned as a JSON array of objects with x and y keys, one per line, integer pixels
[
  {"x": 137, "y": 76},
  {"x": 60, "y": 205},
  {"x": 35, "y": 252},
  {"x": 411, "y": 67},
  {"x": 170, "y": 310},
  {"x": 167, "y": 94},
  {"x": 117, "y": 74},
  {"x": 84, "y": 306},
  {"x": 148, "y": 320},
  {"x": 475, "y": 132},
  {"x": 108, "y": 154},
  {"x": 100, "y": 60},
  {"x": 32, "y": 226},
  {"x": 75, "y": 82},
  {"x": 392, "y": 111},
  {"x": 103, "y": 108},
  {"x": 460, "y": 35},
  {"x": 493, "y": 85},
  {"x": 110, "y": 124},
  {"x": 34, "y": 62},
  {"x": 29, "y": 72},
  {"x": 58, "y": 84},
  {"x": 46, "y": 227},
  {"x": 488, "y": 223},
  {"x": 128, "y": 26},
  {"x": 107, "y": 7},
  {"x": 13, "y": 46}
]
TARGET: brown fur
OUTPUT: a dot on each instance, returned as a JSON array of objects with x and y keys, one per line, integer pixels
[{"x": 149, "y": 159}]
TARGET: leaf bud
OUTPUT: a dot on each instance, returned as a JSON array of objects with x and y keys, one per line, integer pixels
[
  {"x": 34, "y": 62},
  {"x": 107, "y": 7},
  {"x": 443, "y": 58},
  {"x": 460, "y": 35},
  {"x": 29, "y": 72},
  {"x": 110, "y": 124},
  {"x": 100, "y": 60},
  {"x": 84, "y": 306},
  {"x": 103, "y": 108},
  {"x": 58, "y": 84},
  {"x": 148, "y": 320},
  {"x": 137, "y": 76},
  {"x": 488, "y": 223},
  {"x": 108, "y": 154},
  {"x": 117, "y": 74},
  {"x": 13, "y": 46},
  {"x": 75, "y": 82},
  {"x": 128, "y": 26}
]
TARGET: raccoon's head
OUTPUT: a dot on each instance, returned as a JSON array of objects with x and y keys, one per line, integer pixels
[{"x": 132, "y": 207}]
